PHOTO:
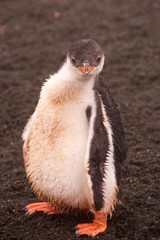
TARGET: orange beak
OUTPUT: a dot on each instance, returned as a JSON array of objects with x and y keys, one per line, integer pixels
[{"x": 85, "y": 70}]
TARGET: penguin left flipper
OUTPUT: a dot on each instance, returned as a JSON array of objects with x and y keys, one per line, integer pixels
[
  {"x": 102, "y": 159},
  {"x": 98, "y": 225},
  {"x": 99, "y": 159}
]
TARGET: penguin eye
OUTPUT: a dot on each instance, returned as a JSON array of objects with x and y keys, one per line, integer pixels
[
  {"x": 98, "y": 59},
  {"x": 73, "y": 61}
]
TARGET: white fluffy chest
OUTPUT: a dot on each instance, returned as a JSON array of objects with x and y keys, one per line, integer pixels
[{"x": 59, "y": 168}]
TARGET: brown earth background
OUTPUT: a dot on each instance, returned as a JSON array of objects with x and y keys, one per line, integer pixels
[{"x": 34, "y": 38}]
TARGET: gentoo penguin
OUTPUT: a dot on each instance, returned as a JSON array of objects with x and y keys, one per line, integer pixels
[{"x": 74, "y": 142}]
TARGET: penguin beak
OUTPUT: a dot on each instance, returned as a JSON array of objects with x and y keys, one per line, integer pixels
[{"x": 86, "y": 68}]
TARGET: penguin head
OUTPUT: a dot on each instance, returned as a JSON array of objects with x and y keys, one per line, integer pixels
[{"x": 86, "y": 57}]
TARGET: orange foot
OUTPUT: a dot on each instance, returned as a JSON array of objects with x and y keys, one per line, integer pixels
[
  {"x": 92, "y": 229},
  {"x": 40, "y": 206}
]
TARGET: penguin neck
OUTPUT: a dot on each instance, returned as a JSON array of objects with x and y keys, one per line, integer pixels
[{"x": 66, "y": 84}]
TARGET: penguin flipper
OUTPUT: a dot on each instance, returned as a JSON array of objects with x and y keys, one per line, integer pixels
[
  {"x": 26, "y": 135},
  {"x": 106, "y": 151},
  {"x": 27, "y": 128},
  {"x": 111, "y": 111},
  {"x": 96, "y": 157}
]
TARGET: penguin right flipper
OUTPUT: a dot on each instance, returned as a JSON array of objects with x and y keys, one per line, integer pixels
[{"x": 27, "y": 128}]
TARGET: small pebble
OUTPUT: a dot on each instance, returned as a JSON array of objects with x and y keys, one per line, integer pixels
[{"x": 56, "y": 14}]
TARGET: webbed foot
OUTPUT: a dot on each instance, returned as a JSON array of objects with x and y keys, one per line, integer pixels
[
  {"x": 40, "y": 206},
  {"x": 92, "y": 229}
]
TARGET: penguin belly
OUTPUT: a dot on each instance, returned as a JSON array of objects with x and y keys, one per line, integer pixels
[{"x": 57, "y": 147}]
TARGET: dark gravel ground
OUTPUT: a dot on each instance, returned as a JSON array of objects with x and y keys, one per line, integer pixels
[{"x": 34, "y": 38}]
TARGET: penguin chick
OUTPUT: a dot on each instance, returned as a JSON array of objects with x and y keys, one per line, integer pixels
[{"x": 74, "y": 142}]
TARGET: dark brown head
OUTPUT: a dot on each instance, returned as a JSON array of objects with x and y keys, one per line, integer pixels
[{"x": 87, "y": 56}]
